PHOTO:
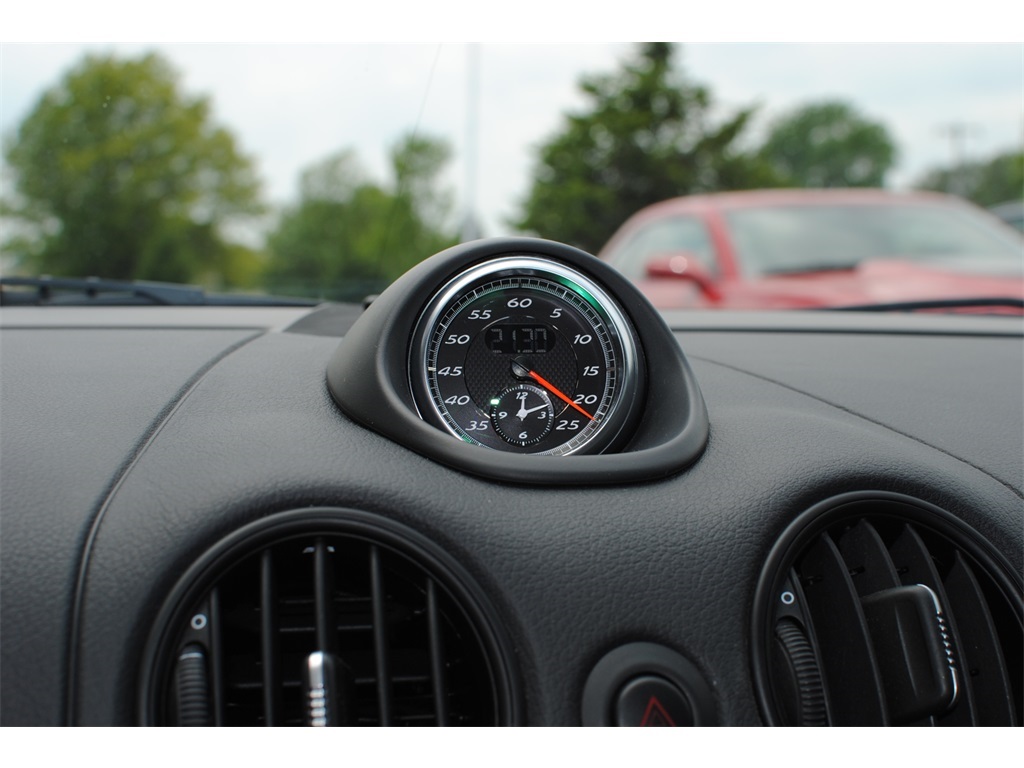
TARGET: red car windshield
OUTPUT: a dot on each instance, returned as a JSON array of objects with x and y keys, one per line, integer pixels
[{"x": 778, "y": 240}]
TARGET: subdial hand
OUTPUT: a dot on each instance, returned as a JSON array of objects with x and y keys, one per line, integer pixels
[{"x": 524, "y": 412}]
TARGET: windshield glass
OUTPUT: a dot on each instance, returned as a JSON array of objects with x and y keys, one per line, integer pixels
[
  {"x": 326, "y": 171},
  {"x": 805, "y": 239}
]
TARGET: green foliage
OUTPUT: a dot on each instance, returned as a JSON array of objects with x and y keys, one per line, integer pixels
[
  {"x": 118, "y": 174},
  {"x": 986, "y": 183},
  {"x": 829, "y": 144},
  {"x": 646, "y": 135},
  {"x": 349, "y": 237}
]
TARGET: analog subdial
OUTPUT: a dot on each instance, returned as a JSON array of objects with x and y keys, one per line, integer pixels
[{"x": 522, "y": 415}]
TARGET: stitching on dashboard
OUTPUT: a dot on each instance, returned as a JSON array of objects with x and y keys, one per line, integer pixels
[
  {"x": 852, "y": 412},
  {"x": 154, "y": 429}
]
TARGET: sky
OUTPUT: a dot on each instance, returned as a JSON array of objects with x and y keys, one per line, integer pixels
[{"x": 291, "y": 105}]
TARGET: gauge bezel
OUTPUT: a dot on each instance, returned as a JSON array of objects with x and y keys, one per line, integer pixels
[{"x": 623, "y": 378}]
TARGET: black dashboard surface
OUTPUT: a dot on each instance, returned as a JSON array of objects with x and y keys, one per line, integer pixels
[{"x": 127, "y": 453}]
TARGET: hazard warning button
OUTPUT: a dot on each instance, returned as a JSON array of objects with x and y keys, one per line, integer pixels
[
  {"x": 645, "y": 684},
  {"x": 652, "y": 701}
]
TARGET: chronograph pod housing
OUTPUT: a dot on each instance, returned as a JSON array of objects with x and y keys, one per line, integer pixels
[{"x": 637, "y": 408}]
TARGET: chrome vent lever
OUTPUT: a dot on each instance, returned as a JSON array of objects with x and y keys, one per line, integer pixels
[{"x": 327, "y": 689}]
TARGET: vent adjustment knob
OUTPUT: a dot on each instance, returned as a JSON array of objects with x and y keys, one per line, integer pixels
[
  {"x": 799, "y": 676},
  {"x": 192, "y": 687},
  {"x": 913, "y": 651}
]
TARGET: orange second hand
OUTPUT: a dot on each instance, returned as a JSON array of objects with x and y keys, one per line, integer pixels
[{"x": 556, "y": 391}]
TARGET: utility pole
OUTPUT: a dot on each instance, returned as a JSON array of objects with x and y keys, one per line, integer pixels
[
  {"x": 958, "y": 133},
  {"x": 470, "y": 225}
]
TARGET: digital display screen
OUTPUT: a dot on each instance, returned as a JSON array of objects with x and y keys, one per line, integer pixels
[{"x": 510, "y": 339}]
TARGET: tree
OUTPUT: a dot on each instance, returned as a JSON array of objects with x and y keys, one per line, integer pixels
[
  {"x": 646, "y": 135},
  {"x": 829, "y": 144},
  {"x": 348, "y": 236},
  {"x": 989, "y": 182},
  {"x": 118, "y": 174}
]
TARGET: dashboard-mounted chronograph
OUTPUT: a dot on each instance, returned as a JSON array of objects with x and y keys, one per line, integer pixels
[
  {"x": 496, "y": 357},
  {"x": 525, "y": 355}
]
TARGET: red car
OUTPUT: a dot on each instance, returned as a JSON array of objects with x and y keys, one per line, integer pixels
[{"x": 781, "y": 249}]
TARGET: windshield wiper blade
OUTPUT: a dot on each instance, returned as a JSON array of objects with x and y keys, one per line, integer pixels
[
  {"x": 89, "y": 291},
  {"x": 807, "y": 269},
  {"x": 932, "y": 304},
  {"x": 47, "y": 291}
]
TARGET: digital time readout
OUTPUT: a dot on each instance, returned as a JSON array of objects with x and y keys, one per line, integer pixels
[{"x": 508, "y": 339}]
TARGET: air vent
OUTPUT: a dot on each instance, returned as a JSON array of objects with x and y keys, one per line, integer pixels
[
  {"x": 883, "y": 610},
  {"x": 327, "y": 617}
]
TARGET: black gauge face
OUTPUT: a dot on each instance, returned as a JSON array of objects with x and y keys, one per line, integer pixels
[{"x": 523, "y": 355}]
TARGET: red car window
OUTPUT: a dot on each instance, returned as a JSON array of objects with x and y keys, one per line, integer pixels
[
  {"x": 679, "y": 234},
  {"x": 818, "y": 237}
]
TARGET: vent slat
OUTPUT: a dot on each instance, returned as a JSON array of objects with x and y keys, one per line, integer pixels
[
  {"x": 217, "y": 671},
  {"x": 323, "y": 588},
  {"x": 256, "y": 685},
  {"x": 867, "y": 559},
  {"x": 851, "y": 674},
  {"x": 368, "y": 680},
  {"x": 311, "y": 629},
  {"x": 915, "y": 565},
  {"x": 436, "y": 655},
  {"x": 981, "y": 659},
  {"x": 268, "y": 639},
  {"x": 308, "y": 602},
  {"x": 380, "y": 638}
]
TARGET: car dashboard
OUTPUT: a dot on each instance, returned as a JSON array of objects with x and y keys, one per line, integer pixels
[{"x": 195, "y": 530}]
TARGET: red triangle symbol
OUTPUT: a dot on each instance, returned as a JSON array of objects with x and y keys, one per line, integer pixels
[{"x": 656, "y": 715}]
